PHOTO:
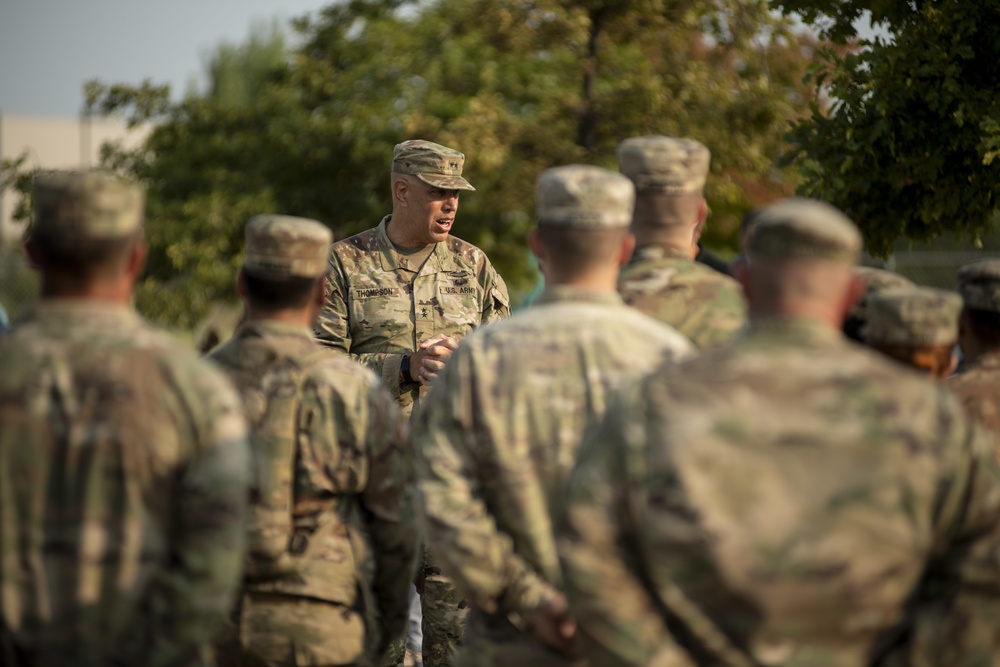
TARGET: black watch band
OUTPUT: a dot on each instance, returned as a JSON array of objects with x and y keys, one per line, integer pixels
[{"x": 404, "y": 369}]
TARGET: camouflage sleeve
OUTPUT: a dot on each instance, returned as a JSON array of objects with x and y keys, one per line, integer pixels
[
  {"x": 333, "y": 327},
  {"x": 464, "y": 537},
  {"x": 389, "y": 506},
  {"x": 496, "y": 304},
  {"x": 333, "y": 330},
  {"x": 619, "y": 620},
  {"x": 959, "y": 599},
  {"x": 208, "y": 530}
]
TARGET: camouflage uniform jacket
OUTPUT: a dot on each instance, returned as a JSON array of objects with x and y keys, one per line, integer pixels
[
  {"x": 496, "y": 440},
  {"x": 978, "y": 387},
  {"x": 350, "y": 473},
  {"x": 703, "y": 304},
  {"x": 778, "y": 503},
  {"x": 123, "y": 481},
  {"x": 379, "y": 311}
]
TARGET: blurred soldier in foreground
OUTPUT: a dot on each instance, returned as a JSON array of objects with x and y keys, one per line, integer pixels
[
  {"x": 123, "y": 456},
  {"x": 332, "y": 531},
  {"x": 398, "y": 299},
  {"x": 497, "y": 437},
  {"x": 978, "y": 383},
  {"x": 792, "y": 500},
  {"x": 917, "y": 326},
  {"x": 663, "y": 280},
  {"x": 875, "y": 280}
]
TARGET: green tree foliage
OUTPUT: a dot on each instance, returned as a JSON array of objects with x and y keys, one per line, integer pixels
[
  {"x": 910, "y": 146},
  {"x": 518, "y": 85}
]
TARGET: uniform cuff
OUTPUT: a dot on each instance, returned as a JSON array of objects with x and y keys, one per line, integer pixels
[{"x": 390, "y": 373}]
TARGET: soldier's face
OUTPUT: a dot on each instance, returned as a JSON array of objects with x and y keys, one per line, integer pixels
[{"x": 434, "y": 211}]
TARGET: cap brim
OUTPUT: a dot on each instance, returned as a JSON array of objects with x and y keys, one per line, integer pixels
[{"x": 446, "y": 182}]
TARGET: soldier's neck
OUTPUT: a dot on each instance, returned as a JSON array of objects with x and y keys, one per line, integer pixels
[
  {"x": 398, "y": 232},
  {"x": 297, "y": 316},
  {"x": 672, "y": 237},
  {"x": 114, "y": 292},
  {"x": 603, "y": 280}
]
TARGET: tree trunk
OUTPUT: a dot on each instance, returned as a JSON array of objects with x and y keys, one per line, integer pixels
[{"x": 588, "y": 115}]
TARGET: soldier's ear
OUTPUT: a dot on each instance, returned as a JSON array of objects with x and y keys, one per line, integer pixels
[
  {"x": 135, "y": 262},
  {"x": 400, "y": 190},
  {"x": 702, "y": 211},
  {"x": 537, "y": 245},
  {"x": 627, "y": 248},
  {"x": 319, "y": 293},
  {"x": 855, "y": 291},
  {"x": 742, "y": 274}
]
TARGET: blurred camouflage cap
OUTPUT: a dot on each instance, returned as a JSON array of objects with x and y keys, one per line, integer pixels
[
  {"x": 674, "y": 166},
  {"x": 804, "y": 229},
  {"x": 432, "y": 163},
  {"x": 284, "y": 246},
  {"x": 86, "y": 205},
  {"x": 876, "y": 280},
  {"x": 913, "y": 316},
  {"x": 979, "y": 284},
  {"x": 584, "y": 197}
]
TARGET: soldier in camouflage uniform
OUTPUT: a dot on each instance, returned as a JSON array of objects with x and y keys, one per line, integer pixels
[
  {"x": 332, "y": 532},
  {"x": 123, "y": 456},
  {"x": 497, "y": 437},
  {"x": 978, "y": 383},
  {"x": 917, "y": 326},
  {"x": 875, "y": 280},
  {"x": 663, "y": 280},
  {"x": 793, "y": 500},
  {"x": 398, "y": 299}
]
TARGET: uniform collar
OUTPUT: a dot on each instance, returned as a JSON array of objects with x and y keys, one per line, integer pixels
[
  {"x": 77, "y": 309},
  {"x": 649, "y": 252},
  {"x": 270, "y": 328},
  {"x": 793, "y": 331},
  {"x": 567, "y": 293}
]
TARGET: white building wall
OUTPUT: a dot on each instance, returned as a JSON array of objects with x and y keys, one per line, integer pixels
[{"x": 55, "y": 142}]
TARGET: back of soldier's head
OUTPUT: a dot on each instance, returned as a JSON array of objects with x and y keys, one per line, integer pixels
[
  {"x": 915, "y": 325},
  {"x": 284, "y": 258},
  {"x": 799, "y": 259},
  {"x": 875, "y": 281},
  {"x": 84, "y": 223},
  {"x": 669, "y": 176},
  {"x": 979, "y": 286},
  {"x": 583, "y": 214}
]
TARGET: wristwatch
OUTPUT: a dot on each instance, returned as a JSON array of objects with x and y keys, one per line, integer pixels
[{"x": 404, "y": 370}]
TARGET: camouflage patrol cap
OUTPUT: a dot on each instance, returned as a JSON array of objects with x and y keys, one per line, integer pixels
[
  {"x": 86, "y": 205},
  {"x": 876, "y": 280},
  {"x": 804, "y": 229},
  {"x": 913, "y": 316},
  {"x": 674, "y": 166},
  {"x": 432, "y": 163},
  {"x": 283, "y": 246},
  {"x": 584, "y": 197},
  {"x": 979, "y": 285}
]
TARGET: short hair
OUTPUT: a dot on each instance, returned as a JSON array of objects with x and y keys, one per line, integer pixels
[
  {"x": 575, "y": 251},
  {"x": 278, "y": 293},
  {"x": 984, "y": 325},
  {"x": 82, "y": 260}
]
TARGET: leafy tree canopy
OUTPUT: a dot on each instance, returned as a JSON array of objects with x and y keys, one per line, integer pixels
[
  {"x": 518, "y": 85},
  {"x": 910, "y": 145}
]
